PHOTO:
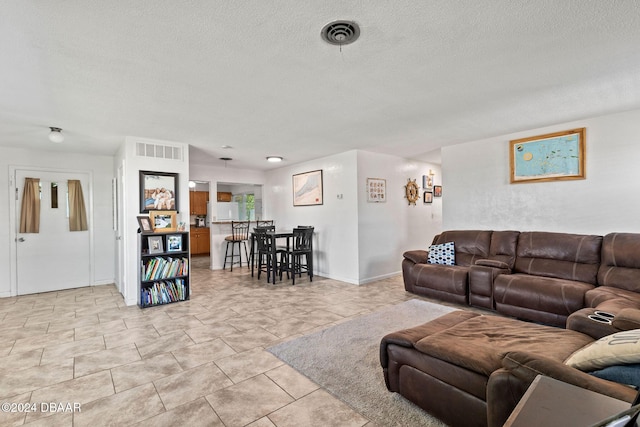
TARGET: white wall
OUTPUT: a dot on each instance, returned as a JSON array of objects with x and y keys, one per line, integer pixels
[
  {"x": 386, "y": 230},
  {"x": 133, "y": 165},
  {"x": 356, "y": 241},
  {"x": 335, "y": 221},
  {"x": 477, "y": 192},
  {"x": 98, "y": 200}
]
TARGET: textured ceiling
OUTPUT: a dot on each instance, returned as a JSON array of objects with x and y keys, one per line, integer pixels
[{"x": 256, "y": 75}]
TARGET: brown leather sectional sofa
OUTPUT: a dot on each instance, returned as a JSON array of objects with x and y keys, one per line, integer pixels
[
  {"x": 538, "y": 276},
  {"x": 469, "y": 369}
]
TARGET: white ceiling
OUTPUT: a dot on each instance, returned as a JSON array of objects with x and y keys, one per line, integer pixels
[{"x": 256, "y": 75}]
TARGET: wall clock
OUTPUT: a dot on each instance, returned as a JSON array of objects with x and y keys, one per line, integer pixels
[{"x": 412, "y": 191}]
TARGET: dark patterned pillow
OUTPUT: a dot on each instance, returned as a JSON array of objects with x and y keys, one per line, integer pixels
[{"x": 444, "y": 254}]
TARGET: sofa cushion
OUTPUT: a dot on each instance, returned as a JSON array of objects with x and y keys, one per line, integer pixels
[
  {"x": 451, "y": 279},
  {"x": 623, "y": 374},
  {"x": 543, "y": 294},
  {"x": 470, "y": 245},
  {"x": 479, "y": 343},
  {"x": 560, "y": 255},
  {"x": 442, "y": 254},
  {"x": 620, "y": 265},
  {"x": 615, "y": 349}
]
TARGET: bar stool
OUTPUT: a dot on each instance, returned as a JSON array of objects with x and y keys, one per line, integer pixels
[{"x": 240, "y": 234}]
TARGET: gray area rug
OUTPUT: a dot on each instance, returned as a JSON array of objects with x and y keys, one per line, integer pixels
[{"x": 344, "y": 359}]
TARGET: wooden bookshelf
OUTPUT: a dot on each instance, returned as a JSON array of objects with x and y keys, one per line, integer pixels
[{"x": 164, "y": 268}]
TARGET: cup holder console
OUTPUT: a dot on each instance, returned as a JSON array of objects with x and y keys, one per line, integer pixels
[{"x": 601, "y": 317}]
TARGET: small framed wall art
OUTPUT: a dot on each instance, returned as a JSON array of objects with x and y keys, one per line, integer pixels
[
  {"x": 145, "y": 224},
  {"x": 437, "y": 191},
  {"x": 174, "y": 243},
  {"x": 427, "y": 197},
  {"x": 376, "y": 190},
  {"x": 155, "y": 244},
  {"x": 162, "y": 221}
]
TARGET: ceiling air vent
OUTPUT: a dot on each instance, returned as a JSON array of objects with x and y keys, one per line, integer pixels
[
  {"x": 340, "y": 32},
  {"x": 159, "y": 151}
]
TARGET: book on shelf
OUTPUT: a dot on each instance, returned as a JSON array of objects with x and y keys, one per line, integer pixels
[{"x": 163, "y": 292}]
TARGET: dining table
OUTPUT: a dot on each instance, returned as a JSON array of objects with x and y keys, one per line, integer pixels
[{"x": 277, "y": 234}]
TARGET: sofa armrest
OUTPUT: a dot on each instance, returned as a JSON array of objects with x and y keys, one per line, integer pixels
[
  {"x": 493, "y": 263},
  {"x": 507, "y": 385},
  {"x": 417, "y": 256},
  {"x": 627, "y": 319},
  {"x": 526, "y": 367}
]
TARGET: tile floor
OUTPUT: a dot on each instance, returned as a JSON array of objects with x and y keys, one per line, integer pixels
[{"x": 196, "y": 363}]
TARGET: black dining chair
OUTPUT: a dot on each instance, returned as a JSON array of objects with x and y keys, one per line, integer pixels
[
  {"x": 239, "y": 235},
  {"x": 252, "y": 254},
  {"x": 302, "y": 246},
  {"x": 265, "y": 244}
]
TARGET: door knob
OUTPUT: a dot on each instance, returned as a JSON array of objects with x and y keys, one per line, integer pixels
[{"x": 20, "y": 239}]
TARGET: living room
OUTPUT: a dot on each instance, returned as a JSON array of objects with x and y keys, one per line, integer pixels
[{"x": 446, "y": 100}]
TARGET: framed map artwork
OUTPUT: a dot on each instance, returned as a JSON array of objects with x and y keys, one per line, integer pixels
[
  {"x": 376, "y": 190},
  {"x": 550, "y": 157}
]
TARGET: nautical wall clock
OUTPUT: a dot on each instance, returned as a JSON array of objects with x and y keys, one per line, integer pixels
[{"x": 412, "y": 191}]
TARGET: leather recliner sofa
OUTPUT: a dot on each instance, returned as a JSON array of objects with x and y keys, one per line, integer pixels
[{"x": 538, "y": 276}]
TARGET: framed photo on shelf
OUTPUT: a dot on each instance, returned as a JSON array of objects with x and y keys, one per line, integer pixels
[
  {"x": 158, "y": 191},
  {"x": 155, "y": 244},
  {"x": 174, "y": 243},
  {"x": 427, "y": 197},
  {"x": 145, "y": 224},
  {"x": 162, "y": 221},
  {"x": 376, "y": 190},
  {"x": 437, "y": 191},
  {"x": 550, "y": 157},
  {"x": 307, "y": 188}
]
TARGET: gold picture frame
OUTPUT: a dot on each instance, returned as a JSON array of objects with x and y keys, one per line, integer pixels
[
  {"x": 163, "y": 221},
  {"x": 551, "y": 157}
]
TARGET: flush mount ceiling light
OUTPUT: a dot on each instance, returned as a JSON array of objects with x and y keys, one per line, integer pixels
[
  {"x": 340, "y": 32},
  {"x": 56, "y": 135},
  {"x": 274, "y": 159}
]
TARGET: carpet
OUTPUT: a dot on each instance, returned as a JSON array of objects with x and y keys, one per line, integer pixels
[{"x": 344, "y": 359}]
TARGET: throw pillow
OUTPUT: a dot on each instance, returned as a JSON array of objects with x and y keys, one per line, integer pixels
[
  {"x": 623, "y": 374},
  {"x": 616, "y": 349},
  {"x": 444, "y": 254}
]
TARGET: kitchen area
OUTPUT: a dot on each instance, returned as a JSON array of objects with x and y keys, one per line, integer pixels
[{"x": 210, "y": 219}]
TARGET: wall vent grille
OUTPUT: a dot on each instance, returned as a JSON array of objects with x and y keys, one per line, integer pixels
[{"x": 159, "y": 151}]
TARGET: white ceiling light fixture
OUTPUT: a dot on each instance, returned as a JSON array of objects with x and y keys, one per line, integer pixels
[
  {"x": 56, "y": 135},
  {"x": 192, "y": 184},
  {"x": 274, "y": 159}
]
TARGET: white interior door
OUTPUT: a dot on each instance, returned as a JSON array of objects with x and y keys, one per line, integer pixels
[
  {"x": 120, "y": 248},
  {"x": 55, "y": 258}
]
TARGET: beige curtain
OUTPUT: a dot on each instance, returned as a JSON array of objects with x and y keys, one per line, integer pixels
[
  {"x": 30, "y": 212},
  {"x": 77, "y": 211}
]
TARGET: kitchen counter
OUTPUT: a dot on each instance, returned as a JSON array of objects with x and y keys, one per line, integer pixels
[{"x": 220, "y": 230}]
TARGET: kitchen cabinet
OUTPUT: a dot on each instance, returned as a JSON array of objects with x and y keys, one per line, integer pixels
[
  {"x": 224, "y": 196},
  {"x": 198, "y": 202},
  {"x": 200, "y": 241}
]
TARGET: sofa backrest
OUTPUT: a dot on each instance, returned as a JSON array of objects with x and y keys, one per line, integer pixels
[
  {"x": 620, "y": 263},
  {"x": 503, "y": 246},
  {"x": 470, "y": 245},
  {"x": 559, "y": 255}
]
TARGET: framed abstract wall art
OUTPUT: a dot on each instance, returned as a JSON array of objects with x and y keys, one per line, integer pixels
[
  {"x": 551, "y": 157},
  {"x": 307, "y": 188}
]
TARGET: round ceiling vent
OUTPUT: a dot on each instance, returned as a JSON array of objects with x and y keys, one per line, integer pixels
[{"x": 340, "y": 32}]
